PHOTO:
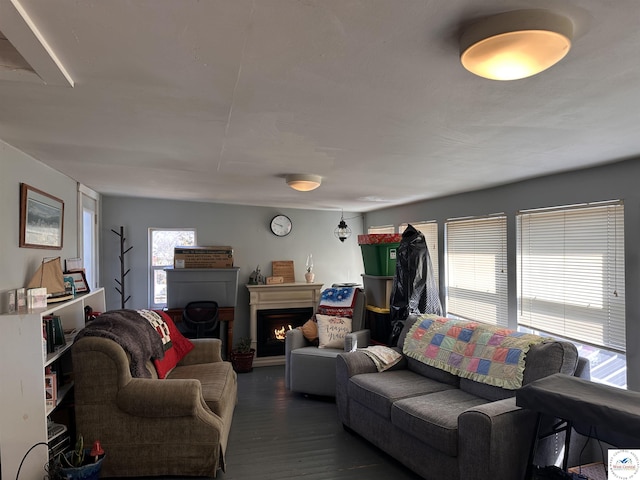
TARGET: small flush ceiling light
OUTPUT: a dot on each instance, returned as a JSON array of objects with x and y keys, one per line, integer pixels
[
  {"x": 303, "y": 182},
  {"x": 342, "y": 231},
  {"x": 515, "y": 45}
]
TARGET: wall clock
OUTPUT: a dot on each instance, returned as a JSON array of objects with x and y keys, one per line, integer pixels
[{"x": 281, "y": 225}]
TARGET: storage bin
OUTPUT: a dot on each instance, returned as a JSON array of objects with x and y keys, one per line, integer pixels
[
  {"x": 378, "y": 321},
  {"x": 378, "y": 290},
  {"x": 379, "y": 259}
]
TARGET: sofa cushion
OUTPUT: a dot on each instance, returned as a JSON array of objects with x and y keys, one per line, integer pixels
[
  {"x": 332, "y": 330},
  {"x": 433, "y": 373},
  {"x": 180, "y": 346},
  {"x": 379, "y": 390},
  {"x": 216, "y": 379},
  {"x": 433, "y": 418},
  {"x": 310, "y": 330}
]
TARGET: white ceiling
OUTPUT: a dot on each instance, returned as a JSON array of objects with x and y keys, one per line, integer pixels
[{"x": 215, "y": 100}]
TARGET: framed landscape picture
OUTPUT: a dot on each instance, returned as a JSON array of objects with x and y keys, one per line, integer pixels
[{"x": 41, "y": 219}]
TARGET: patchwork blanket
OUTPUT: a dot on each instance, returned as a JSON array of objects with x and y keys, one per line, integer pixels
[
  {"x": 481, "y": 352},
  {"x": 133, "y": 331}
]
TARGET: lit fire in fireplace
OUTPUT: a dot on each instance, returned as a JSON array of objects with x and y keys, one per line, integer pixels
[{"x": 280, "y": 333}]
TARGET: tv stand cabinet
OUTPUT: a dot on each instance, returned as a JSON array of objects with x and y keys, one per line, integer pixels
[{"x": 23, "y": 408}]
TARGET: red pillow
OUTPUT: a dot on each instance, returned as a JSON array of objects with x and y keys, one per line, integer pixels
[{"x": 180, "y": 346}]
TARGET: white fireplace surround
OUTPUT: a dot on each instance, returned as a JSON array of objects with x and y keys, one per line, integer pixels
[{"x": 279, "y": 296}]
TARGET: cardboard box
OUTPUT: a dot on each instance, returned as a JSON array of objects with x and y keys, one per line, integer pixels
[{"x": 203, "y": 257}]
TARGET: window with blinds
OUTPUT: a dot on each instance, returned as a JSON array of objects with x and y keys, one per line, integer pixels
[
  {"x": 476, "y": 261},
  {"x": 571, "y": 273},
  {"x": 381, "y": 229},
  {"x": 430, "y": 232}
]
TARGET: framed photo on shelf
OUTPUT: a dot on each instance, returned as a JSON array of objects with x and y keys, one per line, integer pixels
[
  {"x": 79, "y": 281},
  {"x": 74, "y": 265},
  {"x": 41, "y": 219}
]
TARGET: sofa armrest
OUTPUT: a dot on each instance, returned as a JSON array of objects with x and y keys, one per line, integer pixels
[
  {"x": 294, "y": 338},
  {"x": 162, "y": 398},
  {"x": 347, "y": 365},
  {"x": 359, "y": 339},
  {"x": 494, "y": 440},
  {"x": 206, "y": 350}
]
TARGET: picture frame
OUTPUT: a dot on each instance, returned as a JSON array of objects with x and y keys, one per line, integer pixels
[
  {"x": 79, "y": 281},
  {"x": 41, "y": 219}
]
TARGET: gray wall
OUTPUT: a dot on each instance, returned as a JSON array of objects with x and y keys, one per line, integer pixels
[
  {"x": 244, "y": 228},
  {"x": 17, "y": 265},
  {"x": 616, "y": 181}
]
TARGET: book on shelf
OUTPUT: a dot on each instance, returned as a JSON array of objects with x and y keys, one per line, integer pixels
[
  {"x": 53, "y": 332},
  {"x": 50, "y": 389}
]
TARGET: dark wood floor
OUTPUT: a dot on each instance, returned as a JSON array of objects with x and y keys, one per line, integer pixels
[{"x": 278, "y": 435}]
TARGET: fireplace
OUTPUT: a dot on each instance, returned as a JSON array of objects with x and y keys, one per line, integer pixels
[
  {"x": 285, "y": 297},
  {"x": 272, "y": 326}
]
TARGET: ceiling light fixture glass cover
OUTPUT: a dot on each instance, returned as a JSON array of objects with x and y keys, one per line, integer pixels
[
  {"x": 515, "y": 45},
  {"x": 303, "y": 182}
]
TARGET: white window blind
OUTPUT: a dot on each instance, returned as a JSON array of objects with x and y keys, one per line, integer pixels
[
  {"x": 571, "y": 273},
  {"x": 476, "y": 255},
  {"x": 381, "y": 229},
  {"x": 430, "y": 232}
]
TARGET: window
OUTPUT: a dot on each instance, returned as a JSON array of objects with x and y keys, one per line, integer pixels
[
  {"x": 430, "y": 232},
  {"x": 571, "y": 273},
  {"x": 162, "y": 242},
  {"x": 382, "y": 229},
  {"x": 88, "y": 233},
  {"x": 476, "y": 251}
]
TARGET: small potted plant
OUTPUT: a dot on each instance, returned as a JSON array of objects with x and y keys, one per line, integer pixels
[
  {"x": 242, "y": 355},
  {"x": 80, "y": 463}
]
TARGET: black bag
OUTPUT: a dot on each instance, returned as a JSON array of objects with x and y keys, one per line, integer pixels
[{"x": 414, "y": 288}]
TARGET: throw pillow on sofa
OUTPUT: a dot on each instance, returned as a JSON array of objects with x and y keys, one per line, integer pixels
[
  {"x": 310, "y": 331},
  {"x": 332, "y": 330},
  {"x": 180, "y": 346}
]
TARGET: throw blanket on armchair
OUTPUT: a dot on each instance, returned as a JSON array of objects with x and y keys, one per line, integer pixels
[
  {"x": 133, "y": 332},
  {"x": 481, "y": 352}
]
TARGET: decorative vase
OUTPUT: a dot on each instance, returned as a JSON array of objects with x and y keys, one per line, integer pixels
[
  {"x": 242, "y": 362},
  {"x": 309, "y": 276}
]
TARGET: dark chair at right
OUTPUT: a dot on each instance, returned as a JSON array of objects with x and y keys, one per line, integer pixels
[{"x": 200, "y": 319}]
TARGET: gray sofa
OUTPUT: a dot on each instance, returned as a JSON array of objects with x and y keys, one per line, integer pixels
[{"x": 440, "y": 425}]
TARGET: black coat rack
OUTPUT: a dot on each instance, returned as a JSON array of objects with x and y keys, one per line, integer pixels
[{"x": 123, "y": 272}]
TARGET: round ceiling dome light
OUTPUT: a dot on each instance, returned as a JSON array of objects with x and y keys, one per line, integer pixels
[
  {"x": 303, "y": 182},
  {"x": 516, "y": 44}
]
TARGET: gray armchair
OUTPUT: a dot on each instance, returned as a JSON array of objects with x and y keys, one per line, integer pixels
[{"x": 312, "y": 370}]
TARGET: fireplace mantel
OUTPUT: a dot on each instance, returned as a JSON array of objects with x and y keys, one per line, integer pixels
[{"x": 279, "y": 296}]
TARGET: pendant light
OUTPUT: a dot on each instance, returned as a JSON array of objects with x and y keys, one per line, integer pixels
[{"x": 342, "y": 231}]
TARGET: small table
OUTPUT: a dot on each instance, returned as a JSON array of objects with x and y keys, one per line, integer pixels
[
  {"x": 225, "y": 314},
  {"x": 592, "y": 409}
]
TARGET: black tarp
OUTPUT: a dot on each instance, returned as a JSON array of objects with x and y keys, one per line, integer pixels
[{"x": 414, "y": 288}]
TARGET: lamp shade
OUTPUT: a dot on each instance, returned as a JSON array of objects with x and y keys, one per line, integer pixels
[
  {"x": 303, "y": 182},
  {"x": 515, "y": 45}
]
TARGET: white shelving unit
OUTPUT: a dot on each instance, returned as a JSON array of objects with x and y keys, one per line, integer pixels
[{"x": 23, "y": 409}]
